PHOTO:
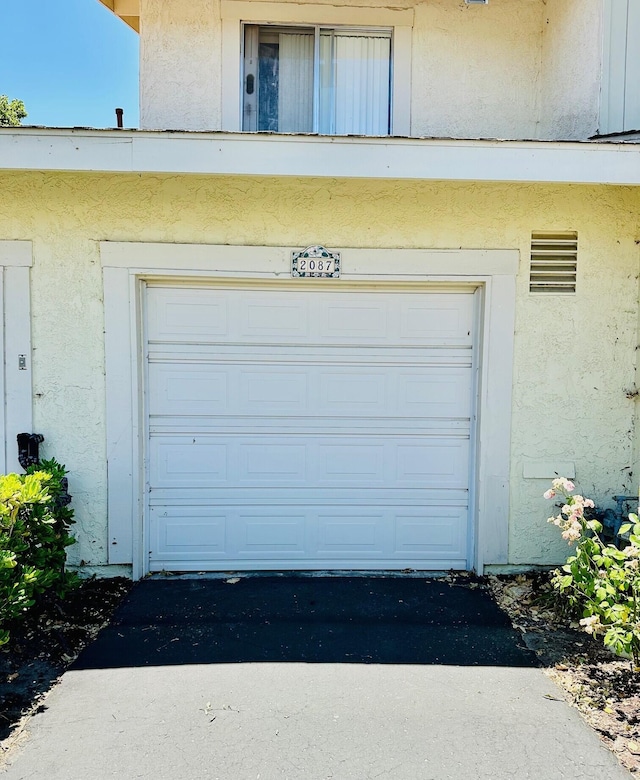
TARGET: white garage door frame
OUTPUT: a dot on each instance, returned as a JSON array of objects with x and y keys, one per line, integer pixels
[
  {"x": 16, "y": 393},
  {"x": 127, "y": 267}
]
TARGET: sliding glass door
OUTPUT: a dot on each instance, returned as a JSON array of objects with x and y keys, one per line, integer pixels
[{"x": 317, "y": 80}]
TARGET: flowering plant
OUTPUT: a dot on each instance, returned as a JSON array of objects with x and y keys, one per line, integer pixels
[
  {"x": 571, "y": 518},
  {"x": 599, "y": 580}
]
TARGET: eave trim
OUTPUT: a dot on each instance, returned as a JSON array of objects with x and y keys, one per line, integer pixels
[{"x": 247, "y": 154}]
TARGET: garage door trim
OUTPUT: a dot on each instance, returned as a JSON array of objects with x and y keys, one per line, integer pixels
[{"x": 127, "y": 267}]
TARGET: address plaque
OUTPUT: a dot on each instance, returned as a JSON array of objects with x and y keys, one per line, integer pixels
[{"x": 315, "y": 262}]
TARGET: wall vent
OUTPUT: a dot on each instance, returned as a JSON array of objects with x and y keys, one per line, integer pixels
[
  {"x": 477, "y": 2},
  {"x": 554, "y": 263}
]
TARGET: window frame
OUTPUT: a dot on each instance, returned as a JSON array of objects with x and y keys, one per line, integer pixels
[{"x": 236, "y": 13}]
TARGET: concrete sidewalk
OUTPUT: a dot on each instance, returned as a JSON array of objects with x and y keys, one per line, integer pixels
[{"x": 331, "y": 678}]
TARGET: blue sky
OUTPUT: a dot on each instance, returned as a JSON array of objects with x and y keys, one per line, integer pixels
[{"x": 72, "y": 62}]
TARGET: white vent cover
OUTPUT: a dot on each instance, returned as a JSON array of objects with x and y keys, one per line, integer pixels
[
  {"x": 554, "y": 263},
  {"x": 477, "y": 2}
]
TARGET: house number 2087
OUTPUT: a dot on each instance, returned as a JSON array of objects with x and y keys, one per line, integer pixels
[
  {"x": 323, "y": 266},
  {"x": 315, "y": 261}
]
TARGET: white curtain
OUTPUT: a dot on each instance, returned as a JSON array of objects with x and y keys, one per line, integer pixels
[
  {"x": 361, "y": 83},
  {"x": 295, "y": 87}
]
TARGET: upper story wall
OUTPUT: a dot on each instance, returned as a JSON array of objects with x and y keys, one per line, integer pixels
[
  {"x": 476, "y": 69},
  {"x": 180, "y": 65},
  {"x": 510, "y": 69},
  {"x": 571, "y": 69}
]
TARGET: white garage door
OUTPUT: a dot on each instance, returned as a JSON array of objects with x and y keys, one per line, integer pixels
[{"x": 309, "y": 429}]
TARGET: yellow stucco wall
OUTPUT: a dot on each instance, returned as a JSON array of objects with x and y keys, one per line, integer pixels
[{"x": 574, "y": 359}]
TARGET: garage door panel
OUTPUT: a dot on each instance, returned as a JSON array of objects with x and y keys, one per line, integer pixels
[
  {"x": 356, "y": 391},
  {"x": 188, "y": 462},
  {"x": 273, "y": 463},
  {"x": 348, "y": 533},
  {"x": 431, "y": 528},
  {"x": 350, "y": 390},
  {"x": 194, "y": 529},
  {"x": 308, "y": 461},
  {"x": 253, "y": 316},
  {"x": 445, "y": 320},
  {"x": 345, "y": 533},
  {"x": 271, "y": 530},
  {"x": 339, "y": 463},
  {"x": 366, "y": 320},
  {"x": 278, "y": 317},
  {"x": 193, "y": 389},
  {"x": 272, "y": 390},
  {"x": 435, "y": 392},
  {"x": 433, "y": 463},
  {"x": 187, "y": 315}
]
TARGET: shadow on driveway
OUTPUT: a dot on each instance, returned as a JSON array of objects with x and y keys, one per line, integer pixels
[{"x": 364, "y": 620}]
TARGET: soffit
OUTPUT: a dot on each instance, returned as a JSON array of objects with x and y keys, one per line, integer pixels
[{"x": 127, "y": 10}]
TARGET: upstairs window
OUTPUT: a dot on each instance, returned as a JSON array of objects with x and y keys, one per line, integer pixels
[{"x": 334, "y": 81}]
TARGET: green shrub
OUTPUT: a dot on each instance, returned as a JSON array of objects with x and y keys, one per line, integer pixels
[
  {"x": 34, "y": 535},
  {"x": 599, "y": 580}
]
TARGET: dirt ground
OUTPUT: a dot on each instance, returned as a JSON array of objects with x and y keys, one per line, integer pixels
[
  {"x": 604, "y": 689},
  {"x": 601, "y": 686}
]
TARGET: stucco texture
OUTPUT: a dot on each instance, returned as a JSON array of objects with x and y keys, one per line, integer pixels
[
  {"x": 476, "y": 72},
  {"x": 572, "y": 47},
  {"x": 180, "y": 65},
  {"x": 574, "y": 356}
]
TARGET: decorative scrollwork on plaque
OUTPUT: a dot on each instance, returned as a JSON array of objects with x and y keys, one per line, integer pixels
[{"x": 315, "y": 262}]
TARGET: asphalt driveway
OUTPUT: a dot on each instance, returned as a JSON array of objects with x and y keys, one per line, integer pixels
[{"x": 308, "y": 677}]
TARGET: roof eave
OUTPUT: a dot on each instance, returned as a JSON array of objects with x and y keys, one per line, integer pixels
[
  {"x": 127, "y": 10},
  {"x": 254, "y": 154}
]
